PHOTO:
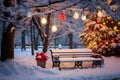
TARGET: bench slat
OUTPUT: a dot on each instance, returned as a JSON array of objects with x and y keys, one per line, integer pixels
[{"x": 79, "y": 59}]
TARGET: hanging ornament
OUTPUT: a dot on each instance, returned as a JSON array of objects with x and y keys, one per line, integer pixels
[
  {"x": 112, "y": 22},
  {"x": 83, "y": 17},
  {"x": 101, "y": 43},
  {"x": 62, "y": 16},
  {"x": 44, "y": 21},
  {"x": 76, "y": 15},
  {"x": 54, "y": 28},
  {"x": 99, "y": 14},
  {"x": 112, "y": 40}
]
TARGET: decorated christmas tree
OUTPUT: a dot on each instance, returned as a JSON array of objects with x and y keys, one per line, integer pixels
[{"x": 102, "y": 35}]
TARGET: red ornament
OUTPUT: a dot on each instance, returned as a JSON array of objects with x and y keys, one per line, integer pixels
[
  {"x": 112, "y": 22},
  {"x": 62, "y": 16},
  {"x": 101, "y": 43},
  {"x": 91, "y": 30},
  {"x": 112, "y": 40}
]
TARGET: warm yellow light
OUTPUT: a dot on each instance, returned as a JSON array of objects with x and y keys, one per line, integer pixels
[
  {"x": 94, "y": 43},
  {"x": 115, "y": 28},
  {"x": 54, "y": 28},
  {"x": 109, "y": 17},
  {"x": 76, "y": 15},
  {"x": 104, "y": 23},
  {"x": 83, "y": 17},
  {"x": 99, "y": 14},
  {"x": 106, "y": 42},
  {"x": 109, "y": 1},
  {"x": 119, "y": 23},
  {"x": 43, "y": 20}
]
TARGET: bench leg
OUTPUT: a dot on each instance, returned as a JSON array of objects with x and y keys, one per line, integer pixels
[
  {"x": 78, "y": 64},
  {"x": 56, "y": 64},
  {"x": 96, "y": 63}
]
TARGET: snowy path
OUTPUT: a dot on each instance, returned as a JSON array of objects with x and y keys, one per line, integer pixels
[{"x": 23, "y": 67}]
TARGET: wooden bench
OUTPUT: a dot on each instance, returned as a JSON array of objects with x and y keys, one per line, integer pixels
[{"x": 75, "y": 55}]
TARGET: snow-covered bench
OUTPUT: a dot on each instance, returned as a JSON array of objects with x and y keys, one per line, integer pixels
[{"x": 75, "y": 55}]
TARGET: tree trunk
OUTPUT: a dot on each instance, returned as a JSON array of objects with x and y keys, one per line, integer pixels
[
  {"x": 31, "y": 37},
  {"x": 9, "y": 3},
  {"x": 36, "y": 41},
  {"x": 7, "y": 45},
  {"x": 46, "y": 38},
  {"x": 23, "y": 47},
  {"x": 70, "y": 36},
  {"x": 55, "y": 43},
  {"x": 35, "y": 35}
]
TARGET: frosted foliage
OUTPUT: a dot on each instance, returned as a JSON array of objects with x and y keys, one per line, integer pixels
[
  {"x": 113, "y": 45},
  {"x": 103, "y": 29},
  {"x": 18, "y": 13},
  {"x": 96, "y": 26},
  {"x": 91, "y": 23},
  {"x": 111, "y": 33}
]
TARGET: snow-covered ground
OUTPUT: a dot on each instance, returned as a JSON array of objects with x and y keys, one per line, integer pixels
[{"x": 24, "y": 67}]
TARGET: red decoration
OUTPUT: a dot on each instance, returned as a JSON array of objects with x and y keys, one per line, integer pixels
[
  {"x": 62, "y": 16},
  {"x": 41, "y": 56},
  {"x": 91, "y": 30},
  {"x": 112, "y": 40},
  {"x": 112, "y": 22},
  {"x": 101, "y": 43},
  {"x": 97, "y": 21}
]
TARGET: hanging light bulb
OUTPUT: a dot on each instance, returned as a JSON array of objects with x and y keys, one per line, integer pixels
[
  {"x": 29, "y": 14},
  {"x": 83, "y": 17},
  {"x": 43, "y": 20},
  {"x": 62, "y": 16},
  {"x": 99, "y": 14},
  {"x": 76, "y": 15},
  {"x": 54, "y": 28}
]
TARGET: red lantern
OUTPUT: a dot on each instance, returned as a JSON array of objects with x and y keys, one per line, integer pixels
[{"x": 62, "y": 16}]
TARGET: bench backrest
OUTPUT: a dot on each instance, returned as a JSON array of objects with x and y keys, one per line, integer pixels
[{"x": 71, "y": 52}]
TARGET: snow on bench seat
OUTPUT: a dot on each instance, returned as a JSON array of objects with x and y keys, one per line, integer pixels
[{"x": 79, "y": 59}]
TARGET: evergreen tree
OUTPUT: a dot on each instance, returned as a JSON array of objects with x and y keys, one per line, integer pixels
[{"x": 102, "y": 35}]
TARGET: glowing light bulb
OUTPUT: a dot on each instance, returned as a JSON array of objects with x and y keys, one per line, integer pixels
[
  {"x": 54, "y": 28},
  {"x": 99, "y": 14},
  {"x": 115, "y": 27},
  {"x": 43, "y": 20},
  {"x": 76, "y": 15},
  {"x": 83, "y": 17}
]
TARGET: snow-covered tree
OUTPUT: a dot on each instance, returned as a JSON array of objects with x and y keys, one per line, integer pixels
[
  {"x": 22, "y": 12},
  {"x": 102, "y": 35}
]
